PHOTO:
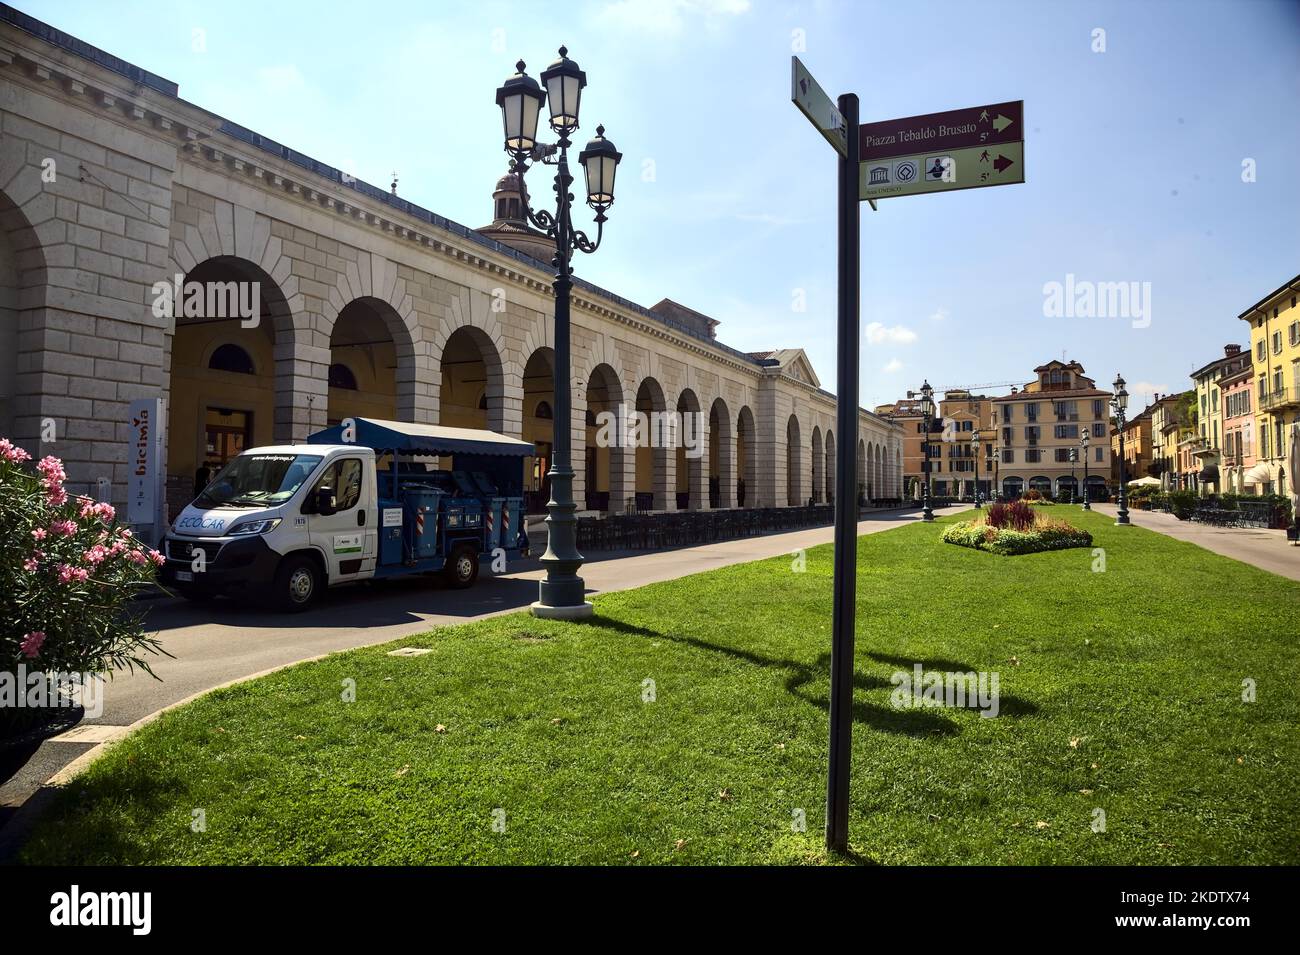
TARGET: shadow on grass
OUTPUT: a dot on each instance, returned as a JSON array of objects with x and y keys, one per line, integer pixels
[
  {"x": 887, "y": 719},
  {"x": 86, "y": 819}
]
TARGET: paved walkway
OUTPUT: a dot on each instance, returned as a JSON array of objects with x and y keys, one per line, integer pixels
[
  {"x": 1265, "y": 549},
  {"x": 215, "y": 643}
]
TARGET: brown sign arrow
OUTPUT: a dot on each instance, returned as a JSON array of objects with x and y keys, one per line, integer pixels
[{"x": 955, "y": 129}]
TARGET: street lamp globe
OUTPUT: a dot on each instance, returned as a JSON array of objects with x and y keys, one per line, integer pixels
[
  {"x": 520, "y": 99},
  {"x": 1087, "y": 436},
  {"x": 927, "y": 400},
  {"x": 564, "y": 82},
  {"x": 600, "y": 160},
  {"x": 1121, "y": 396}
]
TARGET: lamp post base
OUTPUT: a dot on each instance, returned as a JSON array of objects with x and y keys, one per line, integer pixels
[{"x": 575, "y": 612}]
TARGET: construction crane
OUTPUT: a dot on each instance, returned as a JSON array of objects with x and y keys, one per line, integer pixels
[{"x": 973, "y": 388}]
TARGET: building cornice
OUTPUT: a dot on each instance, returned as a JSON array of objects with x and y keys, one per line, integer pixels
[{"x": 32, "y": 62}]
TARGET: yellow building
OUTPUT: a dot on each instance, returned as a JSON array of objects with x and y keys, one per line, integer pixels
[
  {"x": 1170, "y": 425},
  {"x": 1275, "y": 346},
  {"x": 1205, "y": 447}
]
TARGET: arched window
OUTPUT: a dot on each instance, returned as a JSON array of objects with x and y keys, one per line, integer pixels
[
  {"x": 543, "y": 411},
  {"x": 482, "y": 402},
  {"x": 231, "y": 358},
  {"x": 341, "y": 377}
]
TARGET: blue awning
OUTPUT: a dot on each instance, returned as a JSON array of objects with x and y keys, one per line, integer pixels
[{"x": 423, "y": 439}]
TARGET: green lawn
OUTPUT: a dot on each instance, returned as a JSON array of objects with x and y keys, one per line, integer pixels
[{"x": 1120, "y": 691}]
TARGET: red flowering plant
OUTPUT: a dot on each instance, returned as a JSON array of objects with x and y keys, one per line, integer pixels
[{"x": 68, "y": 573}]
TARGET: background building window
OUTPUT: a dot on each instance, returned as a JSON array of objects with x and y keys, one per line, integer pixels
[
  {"x": 341, "y": 377},
  {"x": 231, "y": 358}
]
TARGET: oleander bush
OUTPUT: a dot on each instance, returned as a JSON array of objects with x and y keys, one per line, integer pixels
[
  {"x": 1008, "y": 533},
  {"x": 68, "y": 573}
]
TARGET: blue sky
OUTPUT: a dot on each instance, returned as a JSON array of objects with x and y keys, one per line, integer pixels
[{"x": 726, "y": 193}]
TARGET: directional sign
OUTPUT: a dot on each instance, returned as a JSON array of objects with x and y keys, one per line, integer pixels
[
  {"x": 941, "y": 170},
  {"x": 820, "y": 109},
  {"x": 990, "y": 125}
]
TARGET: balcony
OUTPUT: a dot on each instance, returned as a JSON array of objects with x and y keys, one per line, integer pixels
[{"x": 1281, "y": 398}]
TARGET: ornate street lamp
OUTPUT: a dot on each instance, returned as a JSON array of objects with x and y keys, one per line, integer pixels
[
  {"x": 996, "y": 491},
  {"x": 927, "y": 414},
  {"x": 1083, "y": 444},
  {"x": 562, "y": 593},
  {"x": 1074, "y": 459},
  {"x": 1120, "y": 403},
  {"x": 975, "y": 452}
]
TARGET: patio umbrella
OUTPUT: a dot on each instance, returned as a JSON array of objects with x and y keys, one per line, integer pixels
[
  {"x": 1293, "y": 459},
  {"x": 1144, "y": 482}
]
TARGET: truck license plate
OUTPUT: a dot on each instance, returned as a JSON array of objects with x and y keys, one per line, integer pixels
[{"x": 185, "y": 576}]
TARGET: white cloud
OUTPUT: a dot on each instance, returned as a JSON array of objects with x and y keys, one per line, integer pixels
[
  {"x": 666, "y": 17},
  {"x": 889, "y": 334},
  {"x": 893, "y": 366},
  {"x": 1146, "y": 390},
  {"x": 940, "y": 314},
  {"x": 279, "y": 80}
]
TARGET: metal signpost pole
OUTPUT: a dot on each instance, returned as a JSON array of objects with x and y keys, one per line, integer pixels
[
  {"x": 846, "y": 512},
  {"x": 964, "y": 149}
]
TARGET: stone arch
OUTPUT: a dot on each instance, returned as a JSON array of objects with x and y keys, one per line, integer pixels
[
  {"x": 691, "y": 465},
  {"x": 539, "y": 423},
  {"x": 213, "y": 414},
  {"x": 818, "y": 462},
  {"x": 830, "y": 466},
  {"x": 609, "y": 478},
  {"x": 471, "y": 310},
  {"x": 232, "y": 234},
  {"x": 793, "y": 462},
  {"x": 654, "y": 464},
  {"x": 746, "y": 459},
  {"x": 878, "y": 470},
  {"x": 722, "y": 461},
  {"x": 23, "y": 279},
  {"x": 466, "y": 353},
  {"x": 862, "y": 469},
  {"x": 370, "y": 330},
  {"x": 374, "y": 279}
]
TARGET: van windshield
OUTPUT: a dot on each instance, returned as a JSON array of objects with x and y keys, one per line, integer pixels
[{"x": 258, "y": 480}]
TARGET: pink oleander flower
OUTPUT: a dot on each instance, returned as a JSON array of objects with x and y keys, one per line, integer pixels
[
  {"x": 39, "y": 533},
  {"x": 95, "y": 555},
  {"x": 51, "y": 469},
  {"x": 94, "y": 509},
  {"x": 65, "y": 528},
  {"x": 136, "y": 557},
  {"x": 68, "y": 573},
  {"x": 157, "y": 558},
  {"x": 31, "y": 564},
  {"x": 31, "y": 644},
  {"x": 12, "y": 453},
  {"x": 52, "y": 478}
]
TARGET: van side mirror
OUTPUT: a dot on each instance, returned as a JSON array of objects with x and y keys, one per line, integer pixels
[{"x": 325, "y": 501}]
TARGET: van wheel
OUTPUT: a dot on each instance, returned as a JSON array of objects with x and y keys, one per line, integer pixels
[
  {"x": 297, "y": 584},
  {"x": 462, "y": 568}
]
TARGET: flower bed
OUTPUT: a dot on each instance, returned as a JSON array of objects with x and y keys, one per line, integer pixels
[{"x": 1016, "y": 528}]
